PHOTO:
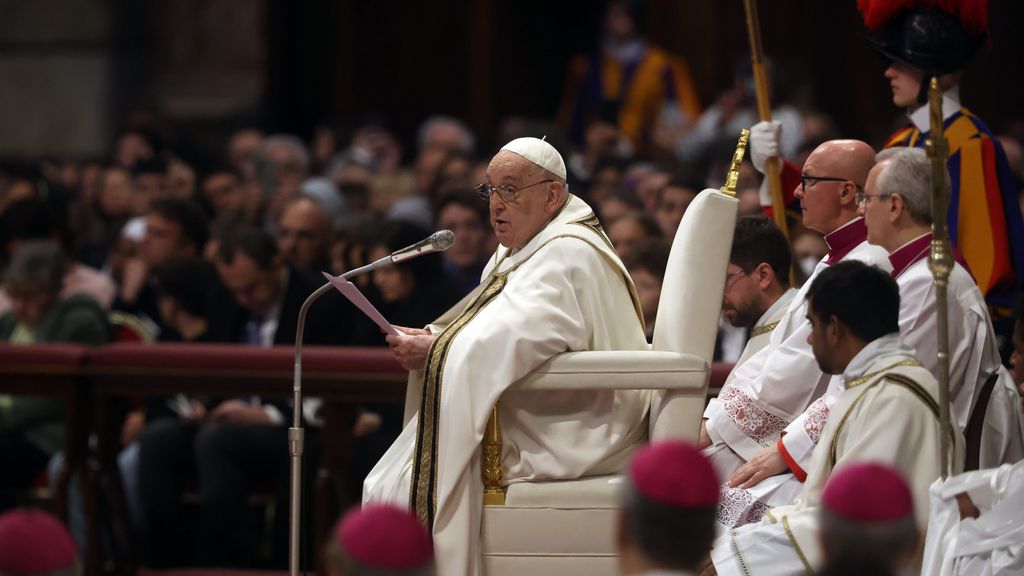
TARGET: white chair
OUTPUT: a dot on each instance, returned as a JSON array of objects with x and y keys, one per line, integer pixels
[{"x": 565, "y": 528}]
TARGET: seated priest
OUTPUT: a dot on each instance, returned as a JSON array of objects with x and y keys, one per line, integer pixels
[
  {"x": 553, "y": 285},
  {"x": 887, "y": 413}
]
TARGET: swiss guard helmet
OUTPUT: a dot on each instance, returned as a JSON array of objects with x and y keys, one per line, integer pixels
[{"x": 935, "y": 36}]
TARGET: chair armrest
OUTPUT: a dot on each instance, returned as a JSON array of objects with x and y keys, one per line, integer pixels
[{"x": 618, "y": 370}]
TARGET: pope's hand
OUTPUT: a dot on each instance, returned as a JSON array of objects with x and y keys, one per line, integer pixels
[
  {"x": 764, "y": 143},
  {"x": 411, "y": 349},
  {"x": 767, "y": 463}
]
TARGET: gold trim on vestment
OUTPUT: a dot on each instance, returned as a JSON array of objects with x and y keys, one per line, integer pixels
[
  {"x": 900, "y": 379},
  {"x": 763, "y": 329},
  {"x": 858, "y": 381},
  {"x": 796, "y": 546},
  {"x": 592, "y": 223},
  {"x": 423, "y": 491}
]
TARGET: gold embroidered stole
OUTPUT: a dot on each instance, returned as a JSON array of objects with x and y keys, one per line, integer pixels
[{"x": 423, "y": 497}]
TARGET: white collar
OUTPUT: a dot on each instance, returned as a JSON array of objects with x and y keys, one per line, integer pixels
[
  {"x": 888, "y": 345},
  {"x": 950, "y": 106}
]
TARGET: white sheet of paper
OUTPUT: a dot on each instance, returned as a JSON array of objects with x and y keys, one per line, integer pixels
[{"x": 356, "y": 297}]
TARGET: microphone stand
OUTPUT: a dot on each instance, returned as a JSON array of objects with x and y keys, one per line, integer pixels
[
  {"x": 297, "y": 434},
  {"x": 438, "y": 241}
]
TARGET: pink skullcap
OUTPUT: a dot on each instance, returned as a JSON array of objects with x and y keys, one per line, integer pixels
[
  {"x": 33, "y": 541},
  {"x": 675, "y": 473},
  {"x": 382, "y": 536},
  {"x": 868, "y": 492}
]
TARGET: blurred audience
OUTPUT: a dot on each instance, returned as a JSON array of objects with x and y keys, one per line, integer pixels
[{"x": 31, "y": 427}]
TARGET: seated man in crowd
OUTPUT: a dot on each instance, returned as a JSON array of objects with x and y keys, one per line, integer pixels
[
  {"x": 466, "y": 215},
  {"x": 667, "y": 517},
  {"x": 887, "y": 413},
  {"x": 646, "y": 265},
  {"x": 174, "y": 228},
  {"x": 554, "y": 285},
  {"x": 32, "y": 427},
  {"x": 240, "y": 442}
]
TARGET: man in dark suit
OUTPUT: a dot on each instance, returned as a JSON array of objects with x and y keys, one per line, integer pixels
[{"x": 240, "y": 443}]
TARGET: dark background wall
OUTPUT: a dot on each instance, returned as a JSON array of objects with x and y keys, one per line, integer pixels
[{"x": 207, "y": 66}]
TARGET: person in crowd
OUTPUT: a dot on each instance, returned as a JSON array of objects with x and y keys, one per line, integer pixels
[
  {"x": 304, "y": 234},
  {"x": 31, "y": 427},
  {"x": 238, "y": 443},
  {"x": 734, "y": 110},
  {"x": 670, "y": 204},
  {"x": 631, "y": 230},
  {"x": 646, "y": 266},
  {"x": 221, "y": 190},
  {"x": 173, "y": 228},
  {"x": 651, "y": 82},
  {"x": 666, "y": 519},
  {"x": 33, "y": 219},
  {"x": 379, "y": 540},
  {"x": 887, "y": 413},
  {"x": 465, "y": 214},
  {"x": 553, "y": 285},
  {"x": 281, "y": 165}
]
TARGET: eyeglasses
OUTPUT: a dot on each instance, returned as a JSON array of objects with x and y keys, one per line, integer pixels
[
  {"x": 805, "y": 178},
  {"x": 731, "y": 276},
  {"x": 861, "y": 198},
  {"x": 507, "y": 193}
]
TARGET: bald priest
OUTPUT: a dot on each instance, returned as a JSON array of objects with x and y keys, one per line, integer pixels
[{"x": 554, "y": 285}]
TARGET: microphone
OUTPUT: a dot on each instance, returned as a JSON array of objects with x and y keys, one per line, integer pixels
[{"x": 437, "y": 242}]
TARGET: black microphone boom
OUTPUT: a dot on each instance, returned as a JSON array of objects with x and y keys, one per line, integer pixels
[{"x": 436, "y": 242}]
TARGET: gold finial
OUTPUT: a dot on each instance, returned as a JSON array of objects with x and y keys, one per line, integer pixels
[
  {"x": 733, "y": 176},
  {"x": 490, "y": 466}
]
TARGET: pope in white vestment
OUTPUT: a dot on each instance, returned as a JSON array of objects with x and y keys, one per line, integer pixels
[
  {"x": 887, "y": 413},
  {"x": 560, "y": 289}
]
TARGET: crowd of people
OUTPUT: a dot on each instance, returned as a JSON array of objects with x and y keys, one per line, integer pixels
[{"x": 226, "y": 249}]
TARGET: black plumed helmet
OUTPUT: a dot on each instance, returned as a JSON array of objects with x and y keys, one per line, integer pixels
[{"x": 934, "y": 36}]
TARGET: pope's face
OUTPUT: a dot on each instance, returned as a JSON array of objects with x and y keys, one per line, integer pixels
[
  {"x": 516, "y": 222},
  {"x": 905, "y": 83}
]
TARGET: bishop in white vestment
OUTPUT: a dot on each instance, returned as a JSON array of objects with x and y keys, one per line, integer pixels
[{"x": 553, "y": 286}]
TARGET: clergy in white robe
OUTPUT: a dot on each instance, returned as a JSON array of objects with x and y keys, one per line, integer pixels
[
  {"x": 897, "y": 212},
  {"x": 773, "y": 387},
  {"x": 554, "y": 285},
  {"x": 887, "y": 413}
]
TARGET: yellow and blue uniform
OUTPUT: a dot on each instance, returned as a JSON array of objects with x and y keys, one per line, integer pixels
[{"x": 985, "y": 221}]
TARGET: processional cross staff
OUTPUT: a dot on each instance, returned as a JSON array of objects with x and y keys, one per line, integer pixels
[{"x": 940, "y": 260}]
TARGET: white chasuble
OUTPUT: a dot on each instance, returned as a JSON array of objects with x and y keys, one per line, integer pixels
[
  {"x": 564, "y": 290},
  {"x": 887, "y": 413}
]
